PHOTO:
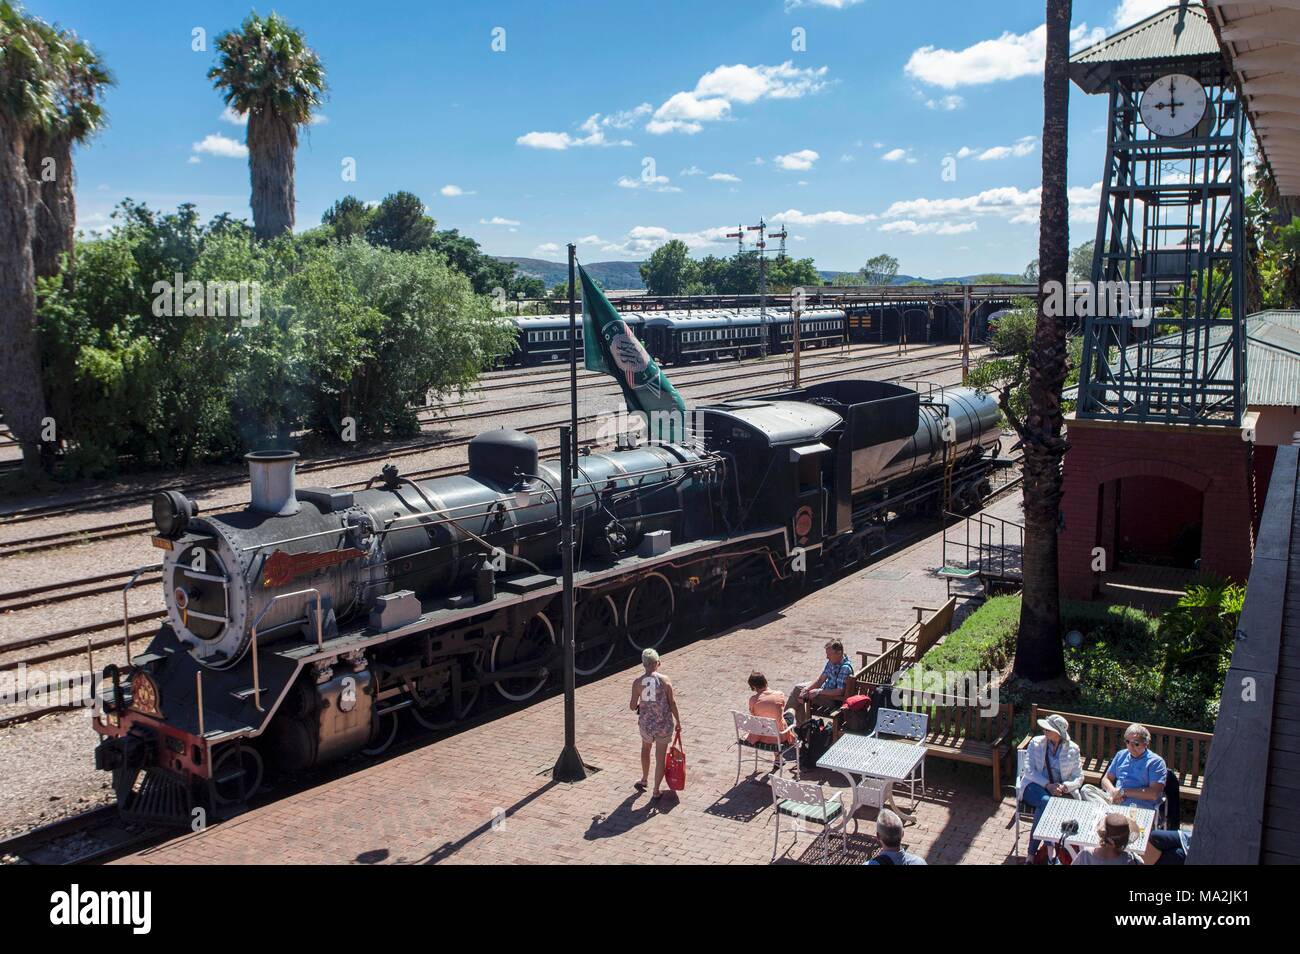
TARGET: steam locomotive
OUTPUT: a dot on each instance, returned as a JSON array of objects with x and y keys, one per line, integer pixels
[{"x": 299, "y": 627}]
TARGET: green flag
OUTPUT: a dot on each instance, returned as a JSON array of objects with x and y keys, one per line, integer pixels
[{"x": 610, "y": 346}]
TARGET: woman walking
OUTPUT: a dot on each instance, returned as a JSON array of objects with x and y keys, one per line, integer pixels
[{"x": 656, "y": 708}]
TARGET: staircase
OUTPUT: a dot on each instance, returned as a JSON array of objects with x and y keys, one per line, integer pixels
[{"x": 982, "y": 555}]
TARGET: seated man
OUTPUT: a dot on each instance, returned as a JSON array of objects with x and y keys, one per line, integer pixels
[
  {"x": 770, "y": 704},
  {"x": 889, "y": 832},
  {"x": 826, "y": 692},
  {"x": 1136, "y": 775},
  {"x": 1167, "y": 847},
  {"x": 1052, "y": 767}
]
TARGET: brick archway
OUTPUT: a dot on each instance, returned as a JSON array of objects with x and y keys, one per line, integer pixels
[{"x": 1147, "y": 467}]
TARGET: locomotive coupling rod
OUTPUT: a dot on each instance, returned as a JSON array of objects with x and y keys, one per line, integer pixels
[{"x": 320, "y": 644}]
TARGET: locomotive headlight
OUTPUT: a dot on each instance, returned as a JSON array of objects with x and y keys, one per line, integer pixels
[
  {"x": 172, "y": 512},
  {"x": 144, "y": 695}
]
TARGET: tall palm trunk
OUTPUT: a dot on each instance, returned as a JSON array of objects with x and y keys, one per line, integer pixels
[
  {"x": 49, "y": 163},
  {"x": 21, "y": 395},
  {"x": 1039, "y": 655},
  {"x": 271, "y": 145}
]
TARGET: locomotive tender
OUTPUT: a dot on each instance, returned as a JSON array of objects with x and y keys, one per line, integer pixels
[{"x": 300, "y": 626}]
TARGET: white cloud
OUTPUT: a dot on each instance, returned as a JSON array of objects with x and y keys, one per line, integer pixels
[
  {"x": 829, "y": 217},
  {"x": 590, "y": 240},
  {"x": 652, "y": 183},
  {"x": 228, "y": 115},
  {"x": 497, "y": 220},
  {"x": 1024, "y": 146},
  {"x": 451, "y": 191},
  {"x": 746, "y": 84},
  {"x": 894, "y": 155},
  {"x": 657, "y": 127},
  {"x": 1008, "y": 57},
  {"x": 194, "y": 160},
  {"x": 644, "y": 239},
  {"x": 833, "y": 4},
  {"x": 547, "y": 248},
  {"x": 216, "y": 144},
  {"x": 692, "y": 171},
  {"x": 594, "y": 126},
  {"x": 800, "y": 161},
  {"x": 908, "y": 227},
  {"x": 1131, "y": 11},
  {"x": 724, "y": 177},
  {"x": 1018, "y": 206},
  {"x": 846, "y": 158},
  {"x": 319, "y": 119},
  {"x": 948, "y": 103}
]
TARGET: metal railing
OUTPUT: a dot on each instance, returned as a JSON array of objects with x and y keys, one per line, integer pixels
[
  {"x": 320, "y": 643},
  {"x": 991, "y": 549}
]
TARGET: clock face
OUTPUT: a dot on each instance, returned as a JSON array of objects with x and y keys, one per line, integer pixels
[{"x": 1173, "y": 105}]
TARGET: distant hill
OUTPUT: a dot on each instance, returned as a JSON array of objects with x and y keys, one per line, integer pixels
[
  {"x": 621, "y": 275},
  {"x": 1002, "y": 277},
  {"x": 627, "y": 275}
]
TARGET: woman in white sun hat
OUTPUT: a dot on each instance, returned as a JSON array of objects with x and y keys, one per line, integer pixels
[{"x": 1052, "y": 768}]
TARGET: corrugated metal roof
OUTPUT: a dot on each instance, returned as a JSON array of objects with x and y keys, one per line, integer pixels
[
  {"x": 1177, "y": 32},
  {"x": 1272, "y": 358}
]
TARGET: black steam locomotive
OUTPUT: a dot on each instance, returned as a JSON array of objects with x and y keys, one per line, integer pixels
[{"x": 299, "y": 627}]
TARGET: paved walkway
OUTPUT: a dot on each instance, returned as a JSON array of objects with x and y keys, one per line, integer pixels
[{"x": 483, "y": 796}]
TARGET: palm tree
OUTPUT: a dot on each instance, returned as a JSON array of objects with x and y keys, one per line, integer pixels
[
  {"x": 270, "y": 75},
  {"x": 29, "y": 54},
  {"x": 82, "y": 79},
  {"x": 1039, "y": 655}
]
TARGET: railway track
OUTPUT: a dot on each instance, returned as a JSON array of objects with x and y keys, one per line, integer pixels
[{"x": 87, "y": 838}]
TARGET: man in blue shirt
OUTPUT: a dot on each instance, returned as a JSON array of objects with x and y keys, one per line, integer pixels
[
  {"x": 1136, "y": 775},
  {"x": 827, "y": 691}
]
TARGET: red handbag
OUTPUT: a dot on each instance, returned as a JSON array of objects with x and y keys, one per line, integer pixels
[{"x": 675, "y": 763}]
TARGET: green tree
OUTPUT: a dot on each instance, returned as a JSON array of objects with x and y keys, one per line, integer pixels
[
  {"x": 668, "y": 270},
  {"x": 1081, "y": 261},
  {"x": 349, "y": 218},
  {"x": 30, "y": 80},
  {"x": 1030, "y": 274},
  {"x": 82, "y": 79},
  {"x": 879, "y": 270},
  {"x": 784, "y": 274},
  {"x": 1039, "y": 653},
  {"x": 269, "y": 73},
  {"x": 1006, "y": 370},
  {"x": 401, "y": 223}
]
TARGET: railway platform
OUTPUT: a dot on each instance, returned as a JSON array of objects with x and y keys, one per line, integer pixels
[{"x": 484, "y": 795}]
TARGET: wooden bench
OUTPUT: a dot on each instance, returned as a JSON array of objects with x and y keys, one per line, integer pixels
[
  {"x": 959, "y": 730},
  {"x": 1184, "y": 750},
  {"x": 921, "y": 637}
]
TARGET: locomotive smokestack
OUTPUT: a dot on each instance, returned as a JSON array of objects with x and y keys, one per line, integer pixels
[{"x": 271, "y": 475}]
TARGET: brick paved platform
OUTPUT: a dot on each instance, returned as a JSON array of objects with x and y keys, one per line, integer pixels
[{"x": 483, "y": 796}]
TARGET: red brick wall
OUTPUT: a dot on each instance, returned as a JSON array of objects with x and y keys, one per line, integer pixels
[{"x": 1216, "y": 463}]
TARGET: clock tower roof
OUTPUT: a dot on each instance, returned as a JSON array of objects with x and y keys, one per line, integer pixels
[{"x": 1178, "y": 39}]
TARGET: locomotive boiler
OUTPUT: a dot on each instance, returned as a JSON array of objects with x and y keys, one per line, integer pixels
[{"x": 302, "y": 625}]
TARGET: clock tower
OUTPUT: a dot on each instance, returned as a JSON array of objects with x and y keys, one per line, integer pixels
[{"x": 1159, "y": 472}]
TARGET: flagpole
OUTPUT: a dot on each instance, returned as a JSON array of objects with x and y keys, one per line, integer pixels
[{"x": 569, "y": 766}]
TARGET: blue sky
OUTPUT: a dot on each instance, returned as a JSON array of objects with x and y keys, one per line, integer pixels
[{"x": 619, "y": 125}]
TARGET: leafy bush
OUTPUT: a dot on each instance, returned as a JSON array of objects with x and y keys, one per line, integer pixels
[
  {"x": 985, "y": 640},
  {"x": 1196, "y": 635},
  {"x": 342, "y": 330}
]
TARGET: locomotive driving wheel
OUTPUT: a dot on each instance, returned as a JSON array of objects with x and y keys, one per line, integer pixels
[
  {"x": 382, "y": 734},
  {"x": 595, "y": 633},
  {"x": 648, "y": 612},
  {"x": 533, "y": 643}
]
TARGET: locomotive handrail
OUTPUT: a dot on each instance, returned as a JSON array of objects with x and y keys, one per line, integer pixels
[
  {"x": 257, "y": 682},
  {"x": 126, "y": 613}
]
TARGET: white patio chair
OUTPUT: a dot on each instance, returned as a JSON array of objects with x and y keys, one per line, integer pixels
[
  {"x": 900, "y": 725},
  {"x": 746, "y": 725},
  {"x": 806, "y": 802}
]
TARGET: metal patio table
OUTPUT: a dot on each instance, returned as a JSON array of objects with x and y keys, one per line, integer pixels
[
  {"x": 889, "y": 760},
  {"x": 1089, "y": 815}
]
